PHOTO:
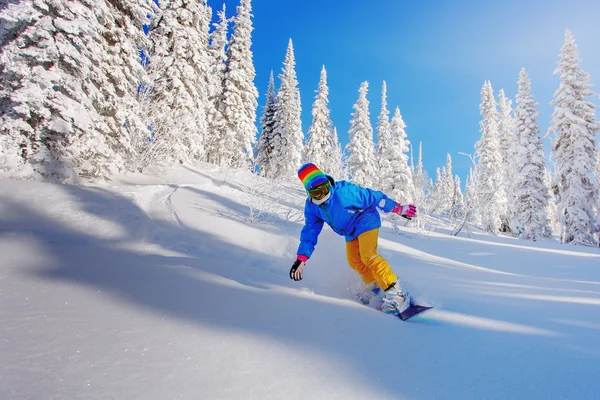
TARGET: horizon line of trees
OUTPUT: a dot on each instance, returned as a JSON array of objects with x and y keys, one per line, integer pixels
[{"x": 85, "y": 92}]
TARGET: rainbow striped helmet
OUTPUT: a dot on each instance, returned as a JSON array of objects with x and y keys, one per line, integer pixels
[{"x": 311, "y": 176}]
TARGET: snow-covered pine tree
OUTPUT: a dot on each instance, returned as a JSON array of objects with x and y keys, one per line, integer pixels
[
  {"x": 236, "y": 112},
  {"x": 361, "y": 159},
  {"x": 178, "y": 68},
  {"x": 467, "y": 205},
  {"x": 552, "y": 208},
  {"x": 217, "y": 52},
  {"x": 471, "y": 199},
  {"x": 287, "y": 134},
  {"x": 320, "y": 147},
  {"x": 397, "y": 180},
  {"x": 488, "y": 170},
  {"x": 575, "y": 127},
  {"x": 265, "y": 142},
  {"x": 338, "y": 161},
  {"x": 435, "y": 198},
  {"x": 115, "y": 85},
  {"x": 507, "y": 142},
  {"x": 529, "y": 193},
  {"x": 420, "y": 181},
  {"x": 446, "y": 189},
  {"x": 70, "y": 72},
  {"x": 385, "y": 177},
  {"x": 458, "y": 201}
]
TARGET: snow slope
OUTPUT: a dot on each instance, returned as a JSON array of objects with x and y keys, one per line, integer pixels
[{"x": 176, "y": 287}]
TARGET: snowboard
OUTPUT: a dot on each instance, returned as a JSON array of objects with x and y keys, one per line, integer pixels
[{"x": 413, "y": 310}]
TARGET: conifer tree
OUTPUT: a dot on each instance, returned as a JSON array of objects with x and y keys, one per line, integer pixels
[
  {"x": 529, "y": 193},
  {"x": 575, "y": 127},
  {"x": 236, "y": 112},
  {"x": 338, "y": 161},
  {"x": 69, "y": 71},
  {"x": 397, "y": 180},
  {"x": 266, "y": 146},
  {"x": 179, "y": 68},
  {"x": 507, "y": 142},
  {"x": 420, "y": 180},
  {"x": 458, "y": 202},
  {"x": 435, "y": 199},
  {"x": 446, "y": 190},
  {"x": 287, "y": 133},
  {"x": 384, "y": 178},
  {"x": 320, "y": 147},
  {"x": 552, "y": 207},
  {"x": 488, "y": 170},
  {"x": 471, "y": 211},
  {"x": 361, "y": 159},
  {"x": 217, "y": 52}
]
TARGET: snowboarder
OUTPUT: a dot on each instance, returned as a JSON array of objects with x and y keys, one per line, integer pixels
[{"x": 351, "y": 211}]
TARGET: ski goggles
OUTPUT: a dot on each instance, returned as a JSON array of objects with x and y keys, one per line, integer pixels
[{"x": 318, "y": 192}]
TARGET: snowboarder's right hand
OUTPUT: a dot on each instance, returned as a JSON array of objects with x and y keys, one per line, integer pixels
[{"x": 296, "y": 270}]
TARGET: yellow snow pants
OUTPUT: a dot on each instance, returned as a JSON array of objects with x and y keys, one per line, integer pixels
[{"x": 363, "y": 258}]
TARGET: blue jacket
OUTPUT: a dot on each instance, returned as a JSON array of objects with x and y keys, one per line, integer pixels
[{"x": 349, "y": 211}]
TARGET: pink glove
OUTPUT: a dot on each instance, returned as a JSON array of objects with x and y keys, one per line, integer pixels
[{"x": 407, "y": 211}]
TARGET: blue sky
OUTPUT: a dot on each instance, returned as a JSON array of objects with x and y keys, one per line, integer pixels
[{"x": 433, "y": 54}]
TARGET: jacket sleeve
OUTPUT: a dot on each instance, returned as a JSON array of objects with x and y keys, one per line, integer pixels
[
  {"x": 366, "y": 198},
  {"x": 310, "y": 233}
]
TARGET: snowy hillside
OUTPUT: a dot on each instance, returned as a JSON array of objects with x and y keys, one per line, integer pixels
[{"x": 177, "y": 288}]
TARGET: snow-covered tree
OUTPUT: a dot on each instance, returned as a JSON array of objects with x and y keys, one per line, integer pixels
[
  {"x": 435, "y": 198},
  {"x": 320, "y": 147},
  {"x": 217, "y": 52},
  {"x": 178, "y": 99},
  {"x": 529, "y": 193},
  {"x": 236, "y": 112},
  {"x": 471, "y": 199},
  {"x": 338, "y": 161},
  {"x": 420, "y": 180},
  {"x": 575, "y": 127},
  {"x": 70, "y": 72},
  {"x": 361, "y": 159},
  {"x": 397, "y": 180},
  {"x": 446, "y": 187},
  {"x": 384, "y": 178},
  {"x": 488, "y": 170},
  {"x": 552, "y": 207},
  {"x": 266, "y": 146},
  {"x": 466, "y": 207},
  {"x": 288, "y": 136},
  {"x": 507, "y": 143},
  {"x": 458, "y": 202}
]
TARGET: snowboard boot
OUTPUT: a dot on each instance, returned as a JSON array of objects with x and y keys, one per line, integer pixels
[{"x": 395, "y": 299}]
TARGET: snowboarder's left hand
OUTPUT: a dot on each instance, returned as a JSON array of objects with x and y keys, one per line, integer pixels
[
  {"x": 407, "y": 211},
  {"x": 296, "y": 270}
]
